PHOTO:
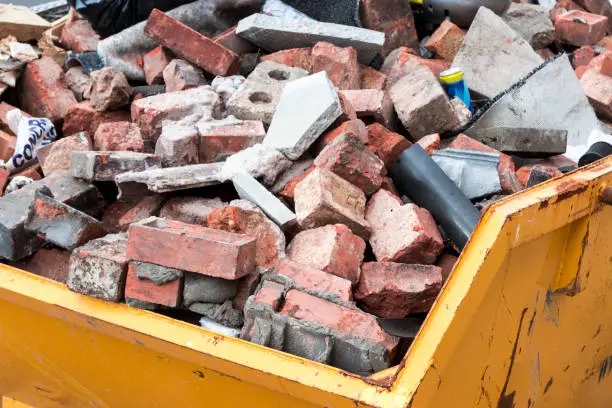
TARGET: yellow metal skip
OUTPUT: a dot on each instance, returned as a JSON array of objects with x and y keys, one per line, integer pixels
[{"x": 524, "y": 321}]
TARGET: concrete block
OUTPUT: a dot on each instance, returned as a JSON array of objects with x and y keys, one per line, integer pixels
[
  {"x": 258, "y": 97},
  {"x": 475, "y": 173},
  {"x": 108, "y": 90},
  {"x": 223, "y": 314},
  {"x": 395, "y": 290},
  {"x": 60, "y": 224},
  {"x": 169, "y": 179},
  {"x": 372, "y": 104},
  {"x": 143, "y": 283},
  {"x": 190, "y": 210},
  {"x": 190, "y": 45},
  {"x": 173, "y": 244},
  {"x": 119, "y": 136},
  {"x": 524, "y": 141},
  {"x": 312, "y": 279},
  {"x": 56, "y": 156},
  {"x": 421, "y": 103},
  {"x": 347, "y": 157},
  {"x": 323, "y": 198},
  {"x": 532, "y": 22},
  {"x": 333, "y": 249},
  {"x": 180, "y": 75},
  {"x": 260, "y": 161},
  {"x": 219, "y": 138},
  {"x": 188, "y": 107},
  {"x": 307, "y": 107},
  {"x": 178, "y": 145},
  {"x": 340, "y": 64},
  {"x": 274, "y": 34},
  {"x": 494, "y": 56},
  {"x": 207, "y": 289},
  {"x": 99, "y": 268},
  {"x": 105, "y": 166},
  {"x": 270, "y": 240},
  {"x": 248, "y": 188},
  {"x": 402, "y": 233}
]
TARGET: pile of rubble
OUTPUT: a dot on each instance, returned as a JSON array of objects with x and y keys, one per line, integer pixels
[{"x": 243, "y": 172}]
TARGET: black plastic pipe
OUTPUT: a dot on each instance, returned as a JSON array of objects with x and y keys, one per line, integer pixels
[
  {"x": 423, "y": 181},
  {"x": 597, "y": 151}
]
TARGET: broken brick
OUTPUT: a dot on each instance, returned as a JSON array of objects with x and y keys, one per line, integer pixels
[
  {"x": 78, "y": 35},
  {"x": 430, "y": 143},
  {"x": 598, "y": 89},
  {"x": 82, "y": 117},
  {"x": 347, "y": 157},
  {"x": 233, "y": 42},
  {"x": 52, "y": 264},
  {"x": 333, "y": 249},
  {"x": 270, "y": 293},
  {"x": 323, "y": 198},
  {"x": 401, "y": 32},
  {"x": 371, "y": 104},
  {"x": 191, "y": 45},
  {"x": 173, "y": 244},
  {"x": 446, "y": 40},
  {"x": 395, "y": 290},
  {"x": 340, "y": 63},
  {"x": 33, "y": 172},
  {"x": 371, "y": 78},
  {"x": 388, "y": 185},
  {"x": 228, "y": 136},
  {"x": 140, "y": 288},
  {"x": 404, "y": 65},
  {"x": 145, "y": 208},
  {"x": 4, "y": 175},
  {"x": 354, "y": 127},
  {"x": 288, "y": 192},
  {"x": 178, "y": 145},
  {"x": 7, "y": 146},
  {"x": 386, "y": 144},
  {"x": 180, "y": 75},
  {"x": 524, "y": 173},
  {"x": 580, "y": 28},
  {"x": 56, "y": 155},
  {"x": 402, "y": 233},
  {"x": 154, "y": 63},
  {"x": 108, "y": 90},
  {"x": 118, "y": 136},
  {"x": 190, "y": 210},
  {"x": 348, "y": 111},
  {"x": 294, "y": 57},
  {"x": 245, "y": 288},
  {"x": 446, "y": 262},
  {"x": 582, "y": 56},
  {"x": 44, "y": 92}
]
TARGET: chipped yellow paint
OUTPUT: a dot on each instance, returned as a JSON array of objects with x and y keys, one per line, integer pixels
[{"x": 524, "y": 321}]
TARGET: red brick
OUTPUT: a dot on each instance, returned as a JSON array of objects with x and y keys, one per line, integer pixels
[
  {"x": 192, "y": 248},
  {"x": 373, "y": 104},
  {"x": 333, "y": 249},
  {"x": 180, "y": 75},
  {"x": 147, "y": 207},
  {"x": 523, "y": 173},
  {"x": 83, "y": 118},
  {"x": 388, "y": 185},
  {"x": 154, "y": 63},
  {"x": 353, "y": 127},
  {"x": 348, "y": 322},
  {"x": 230, "y": 40},
  {"x": 191, "y": 210},
  {"x": 245, "y": 288},
  {"x": 601, "y": 64},
  {"x": 395, "y": 290},
  {"x": 430, "y": 143},
  {"x": 506, "y": 164},
  {"x": 288, "y": 192},
  {"x": 294, "y": 57},
  {"x": 78, "y": 35},
  {"x": 113, "y": 213},
  {"x": 270, "y": 293},
  {"x": 168, "y": 294},
  {"x": 579, "y": 28},
  {"x": 379, "y": 14},
  {"x": 34, "y": 172},
  {"x": 401, "y": 32},
  {"x": 347, "y": 157},
  {"x": 582, "y": 56},
  {"x": 598, "y": 88},
  {"x": 446, "y": 262},
  {"x": 7, "y": 146},
  {"x": 446, "y": 40},
  {"x": 371, "y": 78},
  {"x": 402, "y": 233},
  {"x": 4, "y": 175},
  {"x": 348, "y": 111},
  {"x": 314, "y": 279},
  {"x": 56, "y": 155},
  {"x": 386, "y": 144},
  {"x": 324, "y": 198},
  {"x": 226, "y": 138},
  {"x": 44, "y": 92},
  {"x": 606, "y": 42},
  {"x": 397, "y": 71},
  {"x": 118, "y": 136},
  {"x": 49, "y": 263},
  {"x": 4, "y": 109},
  {"x": 191, "y": 45},
  {"x": 253, "y": 224},
  {"x": 340, "y": 63}
]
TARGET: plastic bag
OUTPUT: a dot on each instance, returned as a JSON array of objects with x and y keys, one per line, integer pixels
[
  {"x": 111, "y": 16},
  {"x": 32, "y": 133}
]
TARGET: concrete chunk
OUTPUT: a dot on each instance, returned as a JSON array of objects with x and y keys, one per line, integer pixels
[
  {"x": 15, "y": 242},
  {"x": 260, "y": 161},
  {"x": 250, "y": 189},
  {"x": 307, "y": 107},
  {"x": 532, "y": 22},
  {"x": 105, "y": 166},
  {"x": 178, "y": 145},
  {"x": 524, "y": 141},
  {"x": 275, "y": 34},
  {"x": 475, "y": 173},
  {"x": 494, "y": 56},
  {"x": 207, "y": 289}
]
